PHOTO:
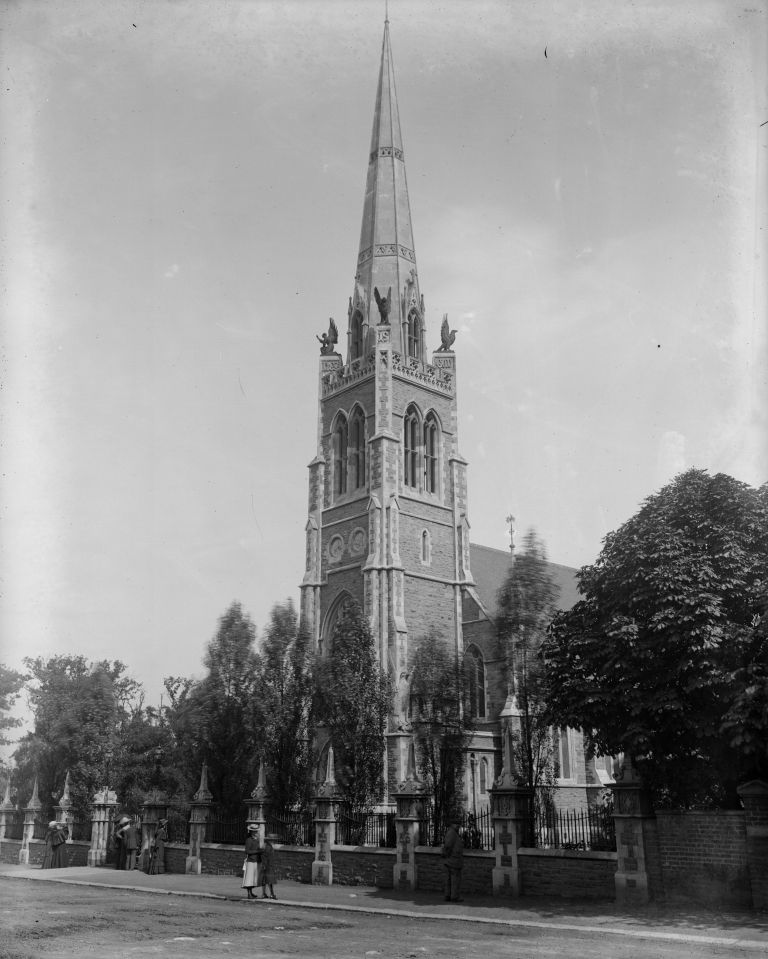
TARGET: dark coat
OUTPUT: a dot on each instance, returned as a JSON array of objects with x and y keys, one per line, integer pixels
[
  {"x": 453, "y": 849},
  {"x": 252, "y": 849},
  {"x": 267, "y": 864}
]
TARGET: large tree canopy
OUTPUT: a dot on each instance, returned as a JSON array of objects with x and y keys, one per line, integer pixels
[{"x": 666, "y": 658}]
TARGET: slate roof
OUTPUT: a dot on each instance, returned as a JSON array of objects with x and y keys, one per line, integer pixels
[{"x": 490, "y": 567}]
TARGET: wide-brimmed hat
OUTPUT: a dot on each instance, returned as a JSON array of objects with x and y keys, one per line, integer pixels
[
  {"x": 252, "y": 827},
  {"x": 163, "y": 822},
  {"x": 124, "y": 820},
  {"x": 52, "y": 823}
]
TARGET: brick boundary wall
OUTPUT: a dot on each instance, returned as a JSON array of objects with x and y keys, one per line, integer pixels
[
  {"x": 703, "y": 856},
  {"x": 567, "y": 873},
  {"x": 363, "y": 866},
  {"x": 476, "y": 877},
  {"x": 77, "y": 852}
]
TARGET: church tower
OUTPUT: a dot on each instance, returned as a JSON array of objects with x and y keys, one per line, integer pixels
[{"x": 387, "y": 522}]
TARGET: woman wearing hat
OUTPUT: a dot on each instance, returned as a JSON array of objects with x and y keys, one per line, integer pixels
[
  {"x": 157, "y": 849},
  {"x": 55, "y": 841},
  {"x": 252, "y": 859}
]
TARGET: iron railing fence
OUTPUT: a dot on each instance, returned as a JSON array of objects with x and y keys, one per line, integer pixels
[
  {"x": 293, "y": 827},
  {"x": 570, "y": 829},
  {"x": 41, "y": 829},
  {"x": 476, "y": 830},
  {"x": 178, "y": 824},
  {"x": 227, "y": 830},
  {"x": 80, "y": 830},
  {"x": 14, "y": 829},
  {"x": 363, "y": 827}
]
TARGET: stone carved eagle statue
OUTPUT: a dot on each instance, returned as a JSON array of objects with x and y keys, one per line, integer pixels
[
  {"x": 328, "y": 340},
  {"x": 447, "y": 336},
  {"x": 384, "y": 305}
]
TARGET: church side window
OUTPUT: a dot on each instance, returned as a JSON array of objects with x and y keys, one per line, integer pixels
[
  {"x": 483, "y": 776},
  {"x": 356, "y": 338},
  {"x": 357, "y": 450},
  {"x": 430, "y": 455},
  {"x": 474, "y": 670},
  {"x": 411, "y": 449},
  {"x": 414, "y": 335},
  {"x": 563, "y": 753},
  {"x": 426, "y": 548},
  {"x": 340, "y": 455}
]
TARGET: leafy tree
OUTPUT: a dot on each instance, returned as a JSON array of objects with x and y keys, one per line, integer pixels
[
  {"x": 223, "y": 710},
  {"x": 351, "y": 699},
  {"x": 79, "y": 710},
  {"x": 11, "y": 683},
  {"x": 442, "y": 727},
  {"x": 527, "y": 607},
  {"x": 665, "y": 657},
  {"x": 285, "y": 702}
]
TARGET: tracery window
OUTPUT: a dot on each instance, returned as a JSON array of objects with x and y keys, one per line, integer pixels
[
  {"x": 411, "y": 448},
  {"x": 340, "y": 455},
  {"x": 430, "y": 454},
  {"x": 357, "y": 450},
  {"x": 356, "y": 336},
  {"x": 474, "y": 671}
]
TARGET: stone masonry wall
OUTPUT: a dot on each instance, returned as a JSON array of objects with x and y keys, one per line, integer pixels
[{"x": 703, "y": 856}]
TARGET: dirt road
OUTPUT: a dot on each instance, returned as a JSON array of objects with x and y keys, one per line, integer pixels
[{"x": 54, "y": 921}]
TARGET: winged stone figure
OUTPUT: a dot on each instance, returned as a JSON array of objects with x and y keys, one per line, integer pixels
[
  {"x": 328, "y": 340},
  {"x": 384, "y": 305},
  {"x": 447, "y": 336}
]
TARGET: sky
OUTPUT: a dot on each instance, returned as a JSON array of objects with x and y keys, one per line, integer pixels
[{"x": 182, "y": 186}]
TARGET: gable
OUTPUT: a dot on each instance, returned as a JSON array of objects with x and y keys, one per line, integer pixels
[{"x": 490, "y": 567}]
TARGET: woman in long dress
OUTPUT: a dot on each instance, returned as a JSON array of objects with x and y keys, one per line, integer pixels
[
  {"x": 48, "y": 852},
  {"x": 55, "y": 846},
  {"x": 252, "y": 857},
  {"x": 157, "y": 855}
]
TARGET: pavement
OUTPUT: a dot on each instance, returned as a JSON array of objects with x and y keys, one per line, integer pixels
[{"x": 681, "y": 922}]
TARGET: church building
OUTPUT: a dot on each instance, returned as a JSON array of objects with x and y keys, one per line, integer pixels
[{"x": 388, "y": 523}]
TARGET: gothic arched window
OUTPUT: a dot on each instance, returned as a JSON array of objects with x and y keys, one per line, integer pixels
[
  {"x": 483, "y": 776},
  {"x": 414, "y": 335},
  {"x": 411, "y": 448},
  {"x": 340, "y": 455},
  {"x": 430, "y": 454},
  {"x": 357, "y": 449},
  {"x": 474, "y": 671},
  {"x": 356, "y": 336}
]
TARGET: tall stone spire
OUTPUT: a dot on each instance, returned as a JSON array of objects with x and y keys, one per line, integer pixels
[{"x": 386, "y": 257}]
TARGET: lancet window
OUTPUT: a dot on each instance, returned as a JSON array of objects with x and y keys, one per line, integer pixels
[
  {"x": 357, "y": 460},
  {"x": 411, "y": 448},
  {"x": 340, "y": 455},
  {"x": 474, "y": 671},
  {"x": 413, "y": 335},
  {"x": 430, "y": 454}
]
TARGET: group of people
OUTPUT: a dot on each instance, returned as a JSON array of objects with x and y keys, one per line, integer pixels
[
  {"x": 259, "y": 865},
  {"x": 55, "y": 855},
  {"x": 127, "y": 842}
]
